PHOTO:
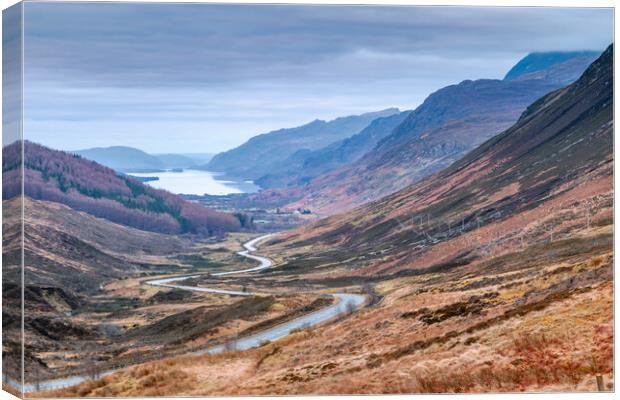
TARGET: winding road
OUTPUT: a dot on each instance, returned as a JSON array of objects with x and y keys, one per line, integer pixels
[{"x": 346, "y": 302}]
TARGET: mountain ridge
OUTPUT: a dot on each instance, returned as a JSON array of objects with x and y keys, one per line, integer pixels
[
  {"x": 538, "y": 61},
  {"x": 450, "y": 122},
  {"x": 261, "y": 153},
  {"x": 298, "y": 169},
  {"x": 556, "y": 156},
  {"x": 130, "y": 159}
]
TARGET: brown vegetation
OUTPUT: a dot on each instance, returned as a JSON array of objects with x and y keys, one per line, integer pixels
[{"x": 87, "y": 186}]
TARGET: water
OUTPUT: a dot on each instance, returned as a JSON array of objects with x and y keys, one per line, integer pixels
[{"x": 191, "y": 181}]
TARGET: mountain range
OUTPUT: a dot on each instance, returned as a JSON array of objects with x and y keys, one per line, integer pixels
[
  {"x": 533, "y": 178},
  {"x": 263, "y": 154},
  {"x": 130, "y": 159},
  {"x": 450, "y": 122},
  {"x": 304, "y": 165}
]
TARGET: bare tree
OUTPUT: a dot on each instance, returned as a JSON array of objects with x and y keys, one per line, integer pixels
[
  {"x": 231, "y": 345},
  {"x": 37, "y": 380},
  {"x": 93, "y": 370}
]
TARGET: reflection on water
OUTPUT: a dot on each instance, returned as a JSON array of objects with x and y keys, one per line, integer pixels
[{"x": 191, "y": 181}]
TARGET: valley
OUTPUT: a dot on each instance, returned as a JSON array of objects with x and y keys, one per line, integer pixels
[
  {"x": 136, "y": 317},
  {"x": 465, "y": 246},
  {"x": 305, "y": 317}
]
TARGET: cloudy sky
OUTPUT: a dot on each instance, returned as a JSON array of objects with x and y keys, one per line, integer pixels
[{"x": 205, "y": 78}]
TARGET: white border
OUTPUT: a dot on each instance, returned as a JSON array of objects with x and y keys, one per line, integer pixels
[{"x": 481, "y": 3}]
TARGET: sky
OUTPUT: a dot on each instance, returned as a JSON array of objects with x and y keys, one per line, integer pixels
[{"x": 205, "y": 78}]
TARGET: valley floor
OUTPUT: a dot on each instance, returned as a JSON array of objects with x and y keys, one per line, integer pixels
[{"x": 533, "y": 319}]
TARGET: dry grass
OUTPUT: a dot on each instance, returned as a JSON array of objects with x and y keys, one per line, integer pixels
[
  {"x": 535, "y": 320},
  {"x": 537, "y": 361},
  {"x": 148, "y": 380}
]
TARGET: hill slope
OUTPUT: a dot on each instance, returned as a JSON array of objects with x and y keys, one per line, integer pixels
[
  {"x": 87, "y": 186},
  {"x": 261, "y": 154},
  {"x": 450, "y": 122},
  {"x": 537, "y": 65},
  {"x": 304, "y": 165},
  {"x": 529, "y": 180}
]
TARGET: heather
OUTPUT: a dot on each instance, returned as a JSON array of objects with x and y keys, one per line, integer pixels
[{"x": 87, "y": 186}]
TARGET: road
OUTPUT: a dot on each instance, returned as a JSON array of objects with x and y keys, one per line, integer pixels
[{"x": 346, "y": 302}]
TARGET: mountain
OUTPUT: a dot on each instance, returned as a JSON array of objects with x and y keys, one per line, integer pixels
[
  {"x": 130, "y": 159},
  {"x": 85, "y": 185},
  {"x": 551, "y": 172},
  {"x": 450, "y": 123},
  {"x": 566, "y": 66},
  {"x": 189, "y": 159},
  {"x": 304, "y": 165},
  {"x": 261, "y": 154},
  {"x": 123, "y": 159}
]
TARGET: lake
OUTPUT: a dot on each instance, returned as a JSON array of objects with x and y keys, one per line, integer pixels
[{"x": 191, "y": 181}]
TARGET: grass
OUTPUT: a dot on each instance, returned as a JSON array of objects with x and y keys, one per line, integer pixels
[
  {"x": 533, "y": 320},
  {"x": 199, "y": 261},
  {"x": 538, "y": 361}
]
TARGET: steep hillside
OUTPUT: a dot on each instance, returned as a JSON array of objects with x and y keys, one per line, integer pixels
[
  {"x": 261, "y": 154},
  {"x": 450, "y": 122},
  {"x": 537, "y": 65},
  {"x": 87, "y": 186},
  {"x": 304, "y": 165},
  {"x": 543, "y": 175}
]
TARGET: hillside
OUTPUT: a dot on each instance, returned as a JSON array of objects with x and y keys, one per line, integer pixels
[
  {"x": 450, "y": 123},
  {"x": 69, "y": 257},
  {"x": 537, "y": 65},
  {"x": 304, "y": 165},
  {"x": 87, "y": 186},
  {"x": 129, "y": 159},
  {"x": 558, "y": 155},
  {"x": 261, "y": 154}
]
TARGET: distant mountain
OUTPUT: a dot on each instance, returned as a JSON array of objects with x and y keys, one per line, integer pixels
[
  {"x": 130, "y": 159},
  {"x": 169, "y": 161},
  {"x": 450, "y": 123},
  {"x": 198, "y": 158},
  {"x": 304, "y": 165},
  {"x": 556, "y": 158},
  {"x": 85, "y": 185},
  {"x": 122, "y": 158},
  {"x": 261, "y": 154},
  {"x": 567, "y": 66}
]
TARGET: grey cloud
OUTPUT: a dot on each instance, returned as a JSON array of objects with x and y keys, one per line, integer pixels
[{"x": 243, "y": 69}]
